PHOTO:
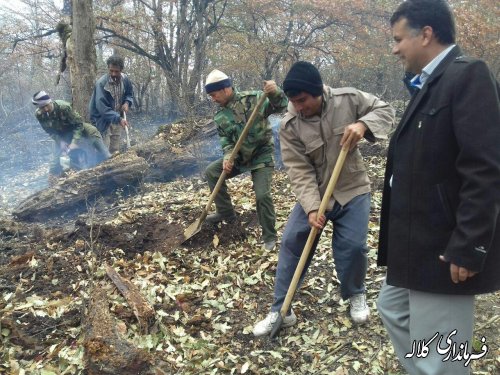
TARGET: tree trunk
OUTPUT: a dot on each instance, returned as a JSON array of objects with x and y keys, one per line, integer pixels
[
  {"x": 82, "y": 58},
  {"x": 105, "y": 351}
]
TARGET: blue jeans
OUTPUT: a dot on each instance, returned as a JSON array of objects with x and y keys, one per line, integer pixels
[{"x": 348, "y": 242}]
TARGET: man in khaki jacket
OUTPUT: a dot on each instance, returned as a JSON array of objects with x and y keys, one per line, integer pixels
[{"x": 319, "y": 121}]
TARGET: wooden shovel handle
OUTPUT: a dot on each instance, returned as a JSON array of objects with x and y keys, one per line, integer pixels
[{"x": 314, "y": 231}]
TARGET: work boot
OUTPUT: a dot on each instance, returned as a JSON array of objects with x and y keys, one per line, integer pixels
[
  {"x": 102, "y": 149},
  {"x": 269, "y": 245},
  {"x": 265, "y": 326},
  {"x": 218, "y": 217},
  {"x": 359, "y": 309}
]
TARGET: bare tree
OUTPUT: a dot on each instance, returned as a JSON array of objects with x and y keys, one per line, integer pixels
[
  {"x": 82, "y": 55},
  {"x": 172, "y": 34}
]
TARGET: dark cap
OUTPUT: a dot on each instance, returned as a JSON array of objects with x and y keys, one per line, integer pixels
[{"x": 303, "y": 77}]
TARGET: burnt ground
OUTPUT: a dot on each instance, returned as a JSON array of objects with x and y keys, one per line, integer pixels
[{"x": 207, "y": 292}]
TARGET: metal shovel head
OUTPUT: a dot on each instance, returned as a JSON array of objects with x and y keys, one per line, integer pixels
[
  {"x": 195, "y": 227},
  {"x": 276, "y": 326}
]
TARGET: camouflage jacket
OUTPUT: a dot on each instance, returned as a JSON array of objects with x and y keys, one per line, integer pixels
[
  {"x": 258, "y": 148},
  {"x": 63, "y": 123}
]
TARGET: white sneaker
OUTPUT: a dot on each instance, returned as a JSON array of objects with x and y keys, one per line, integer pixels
[
  {"x": 359, "y": 309},
  {"x": 264, "y": 326}
]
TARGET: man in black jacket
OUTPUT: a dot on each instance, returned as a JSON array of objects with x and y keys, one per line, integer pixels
[{"x": 440, "y": 221}]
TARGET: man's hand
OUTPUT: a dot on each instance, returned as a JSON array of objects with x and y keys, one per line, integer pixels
[
  {"x": 123, "y": 123},
  {"x": 72, "y": 146},
  {"x": 270, "y": 87},
  {"x": 458, "y": 273},
  {"x": 352, "y": 134},
  {"x": 227, "y": 166},
  {"x": 63, "y": 146},
  {"x": 315, "y": 221},
  {"x": 125, "y": 107}
]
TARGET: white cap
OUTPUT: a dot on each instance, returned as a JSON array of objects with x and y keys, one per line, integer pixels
[
  {"x": 216, "y": 80},
  {"x": 41, "y": 99}
]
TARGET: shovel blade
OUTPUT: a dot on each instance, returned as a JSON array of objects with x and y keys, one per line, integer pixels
[
  {"x": 195, "y": 227},
  {"x": 276, "y": 327}
]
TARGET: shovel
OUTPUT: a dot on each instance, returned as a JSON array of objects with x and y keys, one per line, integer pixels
[
  {"x": 195, "y": 227},
  {"x": 127, "y": 135},
  {"x": 310, "y": 240}
]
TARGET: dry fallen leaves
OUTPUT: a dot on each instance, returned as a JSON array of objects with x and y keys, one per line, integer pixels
[{"x": 207, "y": 294}]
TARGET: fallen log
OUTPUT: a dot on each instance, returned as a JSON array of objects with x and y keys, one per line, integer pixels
[
  {"x": 155, "y": 160},
  {"x": 83, "y": 186},
  {"x": 105, "y": 351},
  {"x": 161, "y": 159},
  {"x": 141, "y": 308}
]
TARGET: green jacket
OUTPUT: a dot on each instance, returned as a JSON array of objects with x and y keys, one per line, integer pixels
[
  {"x": 257, "y": 150},
  {"x": 63, "y": 123}
]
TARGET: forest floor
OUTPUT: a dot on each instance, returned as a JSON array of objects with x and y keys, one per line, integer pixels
[{"x": 207, "y": 293}]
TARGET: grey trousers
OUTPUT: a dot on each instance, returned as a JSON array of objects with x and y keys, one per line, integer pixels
[
  {"x": 412, "y": 317},
  {"x": 350, "y": 223}
]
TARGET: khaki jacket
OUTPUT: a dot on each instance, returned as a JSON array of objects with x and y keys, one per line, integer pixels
[{"x": 310, "y": 146}]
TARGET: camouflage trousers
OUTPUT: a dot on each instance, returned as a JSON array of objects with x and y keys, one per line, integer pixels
[{"x": 261, "y": 178}]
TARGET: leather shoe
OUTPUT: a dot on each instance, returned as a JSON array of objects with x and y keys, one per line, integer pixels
[{"x": 217, "y": 218}]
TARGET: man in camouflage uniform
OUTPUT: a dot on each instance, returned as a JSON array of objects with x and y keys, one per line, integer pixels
[
  {"x": 255, "y": 154},
  {"x": 66, "y": 128}
]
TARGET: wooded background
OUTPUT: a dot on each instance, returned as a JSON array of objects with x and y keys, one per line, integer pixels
[{"x": 170, "y": 46}]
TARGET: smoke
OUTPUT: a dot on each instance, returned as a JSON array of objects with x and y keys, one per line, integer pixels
[{"x": 26, "y": 152}]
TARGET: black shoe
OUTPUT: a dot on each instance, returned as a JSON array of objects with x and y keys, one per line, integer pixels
[{"x": 217, "y": 218}]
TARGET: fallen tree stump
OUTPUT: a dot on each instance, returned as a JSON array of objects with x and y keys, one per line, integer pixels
[
  {"x": 83, "y": 186},
  {"x": 105, "y": 351},
  {"x": 159, "y": 159},
  {"x": 141, "y": 308},
  {"x": 154, "y": 160}
]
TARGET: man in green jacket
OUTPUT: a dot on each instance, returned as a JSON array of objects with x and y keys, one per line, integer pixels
[
  {"x": 66, "y": 128},
  {"x": 256, "y": 152}
]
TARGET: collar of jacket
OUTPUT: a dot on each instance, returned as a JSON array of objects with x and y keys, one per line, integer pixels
[
  {"x": 109, "y": 82},
  {"x": 234, "y": 97},
  {"x": 452, "y": 55},
  {"x": 55, "y": 110},
  {"x": 414, "y": 102}
]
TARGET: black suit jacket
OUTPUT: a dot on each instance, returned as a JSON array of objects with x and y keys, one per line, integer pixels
[{"x": 444, "y": 159}]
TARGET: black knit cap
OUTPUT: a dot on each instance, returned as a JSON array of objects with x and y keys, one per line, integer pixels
[{"x": 303, "y": 77}]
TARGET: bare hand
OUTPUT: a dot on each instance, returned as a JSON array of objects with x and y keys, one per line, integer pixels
[
  {"x": 458, "y": 273},
  {"x": 125, "y": 107},
  {"x": 63, "y": 146},
  {"x": 315, "y": 221},
  {"x": 353, "y": 134},
  {"x": 270, "y": 87},
  {"x": 227, "y": 166},
  {"x": 123, "y": 123}
]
